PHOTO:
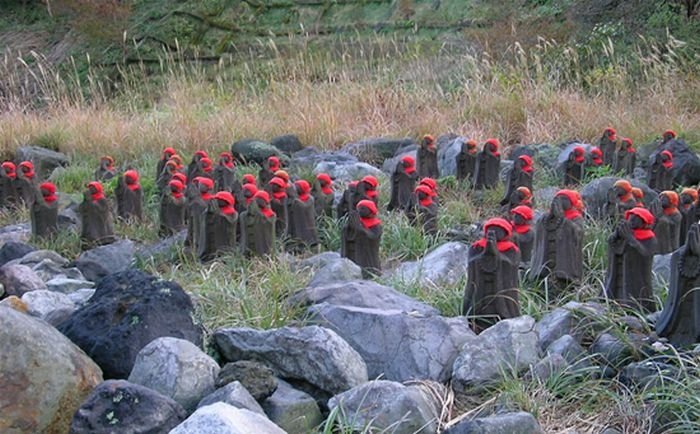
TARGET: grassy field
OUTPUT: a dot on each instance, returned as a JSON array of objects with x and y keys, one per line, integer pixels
[{"x": 373, "y": 86}]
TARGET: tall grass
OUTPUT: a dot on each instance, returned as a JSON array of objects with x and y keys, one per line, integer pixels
[{"x": 358, "y": 88}]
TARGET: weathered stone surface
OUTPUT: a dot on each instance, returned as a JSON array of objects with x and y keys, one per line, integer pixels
[
  {"x": 162, "y": 248},
  {"x": 288, "y": 143},
  {"x": 614, "y": 351},
  {"x": 35, "y": 257},
  {"x": 221, "y": 418},
  {"x": 314, "y": 354},
  {"x": 686, "y": 163},
  {"x": 65, "y": 285},
  {"x": 567, "y": 347},
  {"x": 661, "y": 268},
  {"x": 553, "y": 364},
  {"x": 292, "y": 410},
  {"x": 544, "y": 154},
  {"x": 396, "y": 345},
  {"x": 387, "y": 405},
  {"x": 49, "y": 270},
  {"x": 81, "y": 296},
  {"x": 21, "y": 232},
  {"x": 574, "y": 318},
  {"x": 44, "y": 160},
  {"x": 447, "y": 153},
  {"x": 254, "y": 151},
  {"x": 376, "y": 150},
  {"x": 117, "y": 406},
  {"x": 648, "y": 374},
  {"x": 258, "y": 379},
  {"x": 509, "y": 345},
  {"x": 341, "y": 270},
  {"x": 446, "y": 265},
  {"x": 14, "y": 250},
  {"x": 233, "y": 394},
  {"x": 309, "y": 157},
  {"x": 563, "y": 156},
  {"x": 361, "y": 293},
  {"x": 389, "y": 165},
  {"x": 42, "y": 303},
  {"x": 316, "y": 262},
  {"x": 20, "y": 279},
  {"x": 43, "y": 376},
  {"x": 14, "y": 302},
  {"x": 176, "y": 368},
  {"x": 508, "y": 423},
  {"x": 128, "y": 311},
  {"x": 347, "y": 171},
  {"x": 104, "y": 260}
]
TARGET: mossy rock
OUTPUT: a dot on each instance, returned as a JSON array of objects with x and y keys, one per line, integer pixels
[{"x": 251, "y": 150}]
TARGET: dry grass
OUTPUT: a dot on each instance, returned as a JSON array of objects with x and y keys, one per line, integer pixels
[{"x": 329, "y": 100}]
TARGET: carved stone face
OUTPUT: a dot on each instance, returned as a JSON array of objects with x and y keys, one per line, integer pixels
[
  {"x": 492, "y": 148},
  {"x": 174, "y": 189},
  {"x": 248, "y": 194},
  {"x": 45, "y": 192},
  {"x": 261, "y": 202},
  {"x": 92, "y": 189},
  {"x": 498, "y": 232},
  {"x": 662, "y": 158},
  {"x": 276, "y": 188},
  {"x": 665, "y": 201},
  {"x": 202, "y": 188},
  {"x": 519, "y": 220},
  {"x": 564, "y": 202},
  {"x": 222, "y": 203},
  {"x": 364, "y": 212},
  {"x": 422, "y": 195},
  {"x": 636, "y": 222},
  {"x": 686, "y": 199},
  {"x": 619, "y": 191}
]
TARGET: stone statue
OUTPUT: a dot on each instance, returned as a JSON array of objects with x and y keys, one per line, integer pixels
[
  {"x": 219, "y": 231},
  {"x": 620, "y": 199},
  {"x": 668, "y": 222},
  {"x": 574, "y": 166},
  {"x": 492, "y": 292},
  {"x": 523, "y": 236},
  {"x": 667, "y": 136},
  {"x": 45, "y": 211},
  {"x": 608, "y": 145},
  {"x": 258, "y": 226},
  {"x": 660, "y": 175},
  {"x": 267, "y": 172},
  {"x": 96, "y": 216},
  {"x": 631, "y": 249},
  {"x": 323, "y": 195},
  {"x": 248, "y": 192},
  {"x": 106, "y": 171},
  {"x": 403, "y": 182},
  {"x": 466, "y": 161},
  {"x": 347, "y": 200},
  {"x": 194, "y": 168},
  {"x": 558, "y": 249},
  {"x": 363, "y": 233},
  {"x": 170, "y": 168},
  {"x": 426, "y": 158},
  {"x": 129, "y": 196},
  {"x": 26, "y": 182},
  {"x": 302, "y": 216},
  {"x": 423, "y": 211},
  {"x": 432, "y": 185},
  {"x": 367, "y": 189},
  {"x": 165, "y": 156},
  {"x": 520, "y": 176},
  {"x": 225, "y": 174},
  {"x": 279, "y": 203},
  {"x": 596, "y": 159},
  {"x": 689, "y": 210},
  {"x": 520, "y": 196},
  {"x": 8, "y": 175},
  {"x": 249, "y": 179},
  {"x": 196, "y": 211},
  {"x": 172, "y": 209},
  {"x": 488, "y": 165},
  {"x": 680, "y": 318},
  {"x": 625, "y": 158},
  {"x": 638, "y": 195}
]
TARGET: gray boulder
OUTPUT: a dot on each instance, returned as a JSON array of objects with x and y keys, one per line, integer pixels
[
  {"x": 314, "y": 354},
  {"x": 14, "y": 250},
  {"x": 361, "y": 293},
  {"x": 233, "y": 394},
  {"x": 309, "y": 157},
  {"x": 288, "y": 143},
  {"x": 32, "y": 259},
  {"x": 104, "y": 260},
  {"x": 386, "y": 406},
  {"x": 341, "y": 270},
  {"x": 254, "y": 151},
  {"x": 389, "y": 165},
  {"x": 43, "y": 377},
  {"x": 447, "y": 154},
  {"x": 176, "y": 368},
  {"x": 20, "y": 232},
  {"x": 649, "y": 374},
  {"x": 376, "y": 150},
  {"x": 396, "y": 345},
  {"x": 221, "y": 418},
  {"x": 509, "y": 345},
  {"x": 553, "y": 364},
  {"x": 563, "y": 156},
  {"x": 294, "y": 411},
  {"x": 20, "y": 279},
  {"x": 81, "y": 296},
  {"x": 576, "y": 319},
  {"x": 662, "y": 271},
  {"x": 545, "y": 155},
  {"x": 686, "y": 163},
  {"x": 347, "y": 171},
  {"x": 48, "y": 270},
  {"x": 316, "y": 262},
  {"x": 508, "y": 423},
  {"x": 544, "y": 196},
  {"x": 614, "y": 351},
  {"x": 446, "y": 265},
  {"x": 44, "y": 160},
  {"x": 65, "y": 285},
  {"x": 567, "y": 347},
  {"x": 42, "y": 303},
  {"x": 595, "y": 194},
  {"x": 117, "y": 406},
  {"x": 163, "y": 247},
  {"x": 258, "y": 379}
]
